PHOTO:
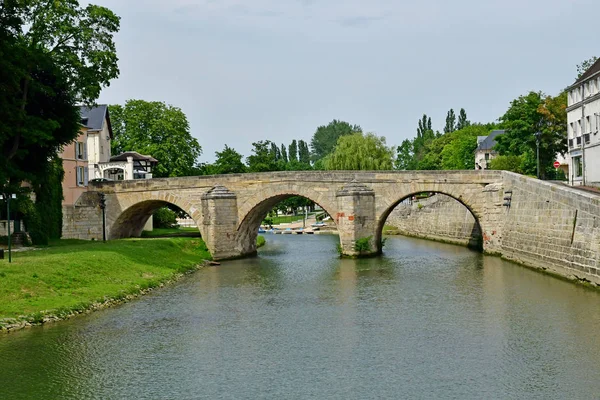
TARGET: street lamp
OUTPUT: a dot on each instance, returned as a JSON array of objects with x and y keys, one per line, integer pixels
[
  {"x": 7, "y": 197},
  {"x": 103, "y": 208},
  {"x": 538, "y": 136}
]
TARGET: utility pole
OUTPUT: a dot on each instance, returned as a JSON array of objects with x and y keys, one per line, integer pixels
[
  {"x": 7, "y": 198},
  {"x": 103, "y": 208}
]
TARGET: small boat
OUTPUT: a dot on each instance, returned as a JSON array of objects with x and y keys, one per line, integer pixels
[{"x": 261, "y": 230}]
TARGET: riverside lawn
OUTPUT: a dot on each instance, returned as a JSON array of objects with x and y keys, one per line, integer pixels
[{"x": 72, "y": 275}]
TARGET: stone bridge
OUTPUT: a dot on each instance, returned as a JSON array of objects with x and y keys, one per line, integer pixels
[
  {"x": 543, "y": 225},
  {"x": 228, "y": 209}
]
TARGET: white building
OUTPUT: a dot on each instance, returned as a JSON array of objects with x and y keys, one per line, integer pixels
[
  {"x": 583, "y": 119},
  {"x": 485, "y": 149}
]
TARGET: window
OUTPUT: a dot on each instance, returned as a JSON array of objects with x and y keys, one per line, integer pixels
[
  {"x": 487, "y": 156},
  {"x": 588, "y": 124},
  {"x": 572, "y": 130},
  {"x": 577, "y": 167},
  {"x": 81, "y": 176},
  {"x": 80, "y": 151}
]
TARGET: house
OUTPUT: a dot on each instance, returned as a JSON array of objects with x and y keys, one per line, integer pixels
[
  {"x": 89, "y": 157},
  {"x": 485, "y": 149},
  {"x": 583, "y": 122}
]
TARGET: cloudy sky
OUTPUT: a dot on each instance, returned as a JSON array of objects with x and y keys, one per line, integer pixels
[{"x": 248, "y": 70}]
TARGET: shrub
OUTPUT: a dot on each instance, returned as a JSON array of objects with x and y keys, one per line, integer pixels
[
  {"x": 363, "y": 244},
  {"x": 164, "y": 218}
]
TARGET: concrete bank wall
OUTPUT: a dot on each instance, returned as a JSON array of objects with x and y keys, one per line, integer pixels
[
  {"x": 439, "y": 217},
  {"x": 551, "y": 227}
]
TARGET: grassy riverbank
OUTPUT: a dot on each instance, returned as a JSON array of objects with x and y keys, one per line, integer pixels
[
  {"x": 73, "y": 275},
  {"x": 171, "y": 232}
]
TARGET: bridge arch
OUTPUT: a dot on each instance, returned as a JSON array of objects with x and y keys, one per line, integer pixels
[
  {"x": 252, "y": 213},
  {"x": 130, "y": 217},
  {"x": 477, "y": 243}
]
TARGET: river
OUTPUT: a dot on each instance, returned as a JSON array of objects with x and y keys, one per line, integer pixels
[{"x": 426, "y": 320}]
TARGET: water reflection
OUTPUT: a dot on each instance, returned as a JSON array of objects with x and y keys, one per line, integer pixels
[{"x": 425, "y": 320}]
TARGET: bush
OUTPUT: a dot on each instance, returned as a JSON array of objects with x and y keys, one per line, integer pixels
[
  {"x": 164, "y": 218},
  {"x": 507, "y": 163},
  {"x": 363, "y": 244}
]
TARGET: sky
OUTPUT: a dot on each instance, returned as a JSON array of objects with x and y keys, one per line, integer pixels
[{"x": 251, "y": 70}]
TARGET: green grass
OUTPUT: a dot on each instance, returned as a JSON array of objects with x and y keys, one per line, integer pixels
[
  {"x": 285, "y": 219},
  {"x": 72, "y": 275},
  {"x": 170, "y": 232}
]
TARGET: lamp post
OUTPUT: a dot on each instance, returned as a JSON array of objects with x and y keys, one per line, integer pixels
[
  {"x": 537, "y": 143},
  {"x": 103, "y": 208},
  {"x": 7, "y": 197}
]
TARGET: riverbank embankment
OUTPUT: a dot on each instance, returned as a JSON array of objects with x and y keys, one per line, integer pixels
[{"x": 73, "y": 277}]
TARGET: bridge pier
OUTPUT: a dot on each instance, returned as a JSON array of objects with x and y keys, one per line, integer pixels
[
  {"x": 220, "y": 221},
  {"x": 356, "y": 220}
]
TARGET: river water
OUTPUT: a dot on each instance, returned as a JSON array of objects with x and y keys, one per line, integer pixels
[{"x": 426, "y": 320}]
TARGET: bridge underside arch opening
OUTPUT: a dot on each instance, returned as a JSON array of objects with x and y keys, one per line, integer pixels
[
  {"x": 262, "y": 215},
  {"x": 435, "y": 216},
  {"x": 132, "y": 221}
]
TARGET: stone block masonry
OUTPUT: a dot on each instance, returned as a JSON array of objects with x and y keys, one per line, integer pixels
[
  {"x": 84, "y": 219},
  {"x": 438, "y": 217}
]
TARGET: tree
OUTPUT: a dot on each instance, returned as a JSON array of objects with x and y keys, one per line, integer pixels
[
  {"x": 325, "y": 137},
  {"x": 531, "y": 113},
  {"x": 585, "y": 65},
  {"x": 275, "y": 152},
  {"x": 405, "y": 156},
  {"x": 75, "y": 43},
  {"x": 284, "y": 156},
  {"x": 263, "y": 159},
  {"x": 157, "y": 129},
  {"x": 303, "y": 153},
  {"x": 360, "y": 152},
  {"x": 458, "y": 153},
  {"x": 463, "y": 122},
  {"x": 450, "y": 122},
  {"x": 293, "y": 151},
  {"x": 228, "y": 161},
  {"x": 507, "y": 163}
]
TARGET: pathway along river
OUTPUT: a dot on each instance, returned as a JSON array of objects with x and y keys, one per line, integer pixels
[{"x": 426, "y": 320}]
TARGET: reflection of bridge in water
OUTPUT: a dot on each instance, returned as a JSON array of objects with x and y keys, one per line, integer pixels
[{"x": 534, "y": 222}]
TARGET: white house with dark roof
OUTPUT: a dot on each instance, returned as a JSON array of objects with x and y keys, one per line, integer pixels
[
  {"x": 485, "y": 152},
  {"x": 583, "y": 123}
]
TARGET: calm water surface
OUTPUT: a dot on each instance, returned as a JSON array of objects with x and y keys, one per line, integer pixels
[{"x": 426, "y": 320}]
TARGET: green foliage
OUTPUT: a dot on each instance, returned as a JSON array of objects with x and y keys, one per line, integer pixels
[
  {"x": 260, "y": 241},
  {"x": 363, "y": 245},
  {"x": 293, "y": 151},
  {"x": 326, "y": 137},
  {"x": 463, "y": 122},
  {"x": 450, "y": 122},
  {"x": 507, "y": 163},
  {"x": 360, "y": 152},
  {"x": 585, "y": 65},
  {"x": 157, "y": 129},
  {"x": 228, "y": 161},
  {"x": 263, "y": 159},
  {"x": 164, "y": 217},
  {"x": 303, "y": 153},
  {"x": 528, "y": 114},
  {"x": 284, "y": 156}
]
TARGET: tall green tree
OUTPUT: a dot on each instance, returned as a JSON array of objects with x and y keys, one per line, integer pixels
[
  {"x": 303, "y": 152},
  {"x": 157, "y": 129},
  {"x": 450, "y": 122},
  {"x": 458, "y": 152},
  {"x": 284, "y": 156},
  {"x": 360, "y": 152},
  {"x": 463, "y": 122},
  {"x": 53, "y": 54},
  {"x": 528, "y": 114},
  {"x": 325, "y": 137},
  {"x": 228, "y": 161},
  {"x": 293, "y": 151},
  {"x": 77, "y": 42},
  {"x": 263, "y": 159}
]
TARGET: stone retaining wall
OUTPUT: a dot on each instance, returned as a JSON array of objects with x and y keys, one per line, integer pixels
[
  {"x": 439, "y": 217},
  {"x": 553, "y": 228},
  {"x": 84, "y": 219}
]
